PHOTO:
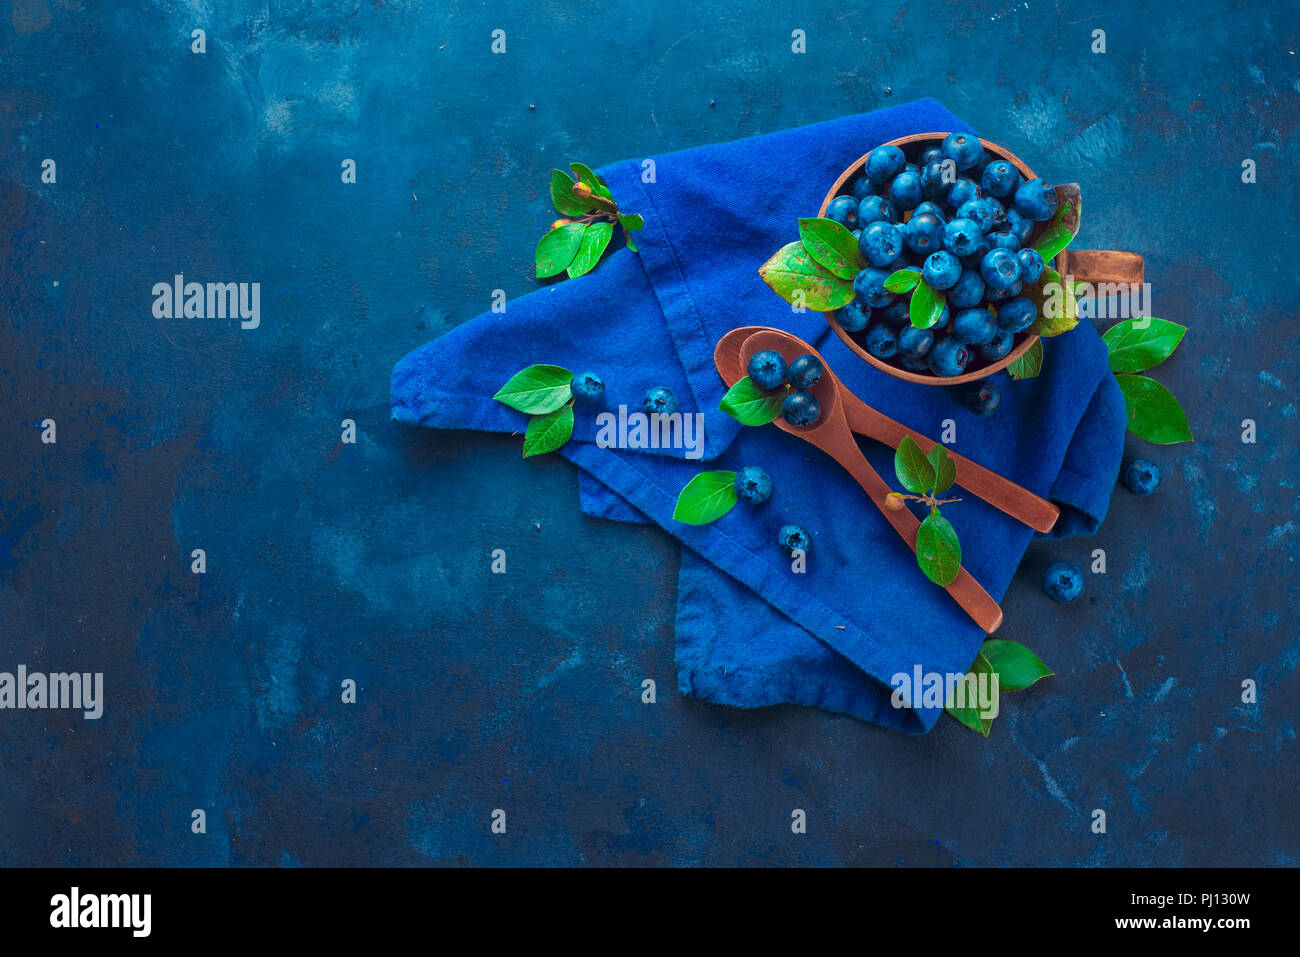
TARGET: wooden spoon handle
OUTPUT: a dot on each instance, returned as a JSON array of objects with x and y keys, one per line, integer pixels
[
  {"x": 965, "y": 590},
  {"x": 1003, "y": 494},
  {"x": 1102, "y": 266}
]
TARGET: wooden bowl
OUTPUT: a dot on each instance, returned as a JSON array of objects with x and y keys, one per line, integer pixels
[{"x": 842, "y": 186}]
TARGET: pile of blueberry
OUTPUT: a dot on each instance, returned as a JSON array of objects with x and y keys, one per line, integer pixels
[
  {"x": 768, "y": 371},
  {"x": 968, "y": 237}
]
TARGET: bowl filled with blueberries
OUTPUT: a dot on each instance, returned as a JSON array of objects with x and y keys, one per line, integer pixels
[{"x": 951, "y": 220}]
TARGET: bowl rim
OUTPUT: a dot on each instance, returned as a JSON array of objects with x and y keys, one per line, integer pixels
[{"x": 1000, "y": 152}]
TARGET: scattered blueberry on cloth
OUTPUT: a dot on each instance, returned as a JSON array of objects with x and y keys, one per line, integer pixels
[{"x": 749, "y": 631}]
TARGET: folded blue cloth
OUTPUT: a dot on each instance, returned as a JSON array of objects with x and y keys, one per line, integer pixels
[{"x": 750, "y": 631}]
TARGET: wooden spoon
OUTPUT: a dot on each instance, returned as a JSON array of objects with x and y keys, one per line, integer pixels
[
  {"x": 831, "y": 434},
  {"x": 1003, "y": 494}
]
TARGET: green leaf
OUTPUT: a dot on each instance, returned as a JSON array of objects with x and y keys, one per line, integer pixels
[
  {"x": 937, "y": 550},
  {"x": 750, "y": 405},
  {"x": 1153, "y": 412},
  {"x": 1133, "y": 348},
  {"x": 1064, "y": 226},
  {"x": 562, "y": 198},
  {"x": 927, "y": 306},
  {"x": 587, "y": 175},
  {"x": 706, "y": 498},
  {"x": 1028, "y": 365},
  {"x": 904, "y": 280},
  {"x": 594, "y": 241},
  {"x": 627, "y": 237},
  {"x": 1016, "y": 665},
  {"x": 913, "y": 469},
  {"x": 1058, "y": 309},
  {"x": 537, "y": 389},
  {"x": 631, "y": 221},
  {"x": 546, "y": 433},
  {"x": 832, "y": 246},
  {"x": 557, "y": 248},
  {"x": 945, "y": 469},
  {"x": 968, "y": 713},
  {"x": 793, "y": 272}
]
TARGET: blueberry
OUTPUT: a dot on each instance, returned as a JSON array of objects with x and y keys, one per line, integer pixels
[
  {"x": 805, "y": 372},
  {"x": 897, "y": 314},
  {"x": 659, "y": 399},
  {"x": 914, "y": 343},
  {"x": 884, "y": 163},
  {"x": 924, "y": 233},
  {"x": 993, "y": 295},
  {"x": 1031, "y": 265},
  {"x": 998, "y": 346},
  {"x": 1000, "y": 269},
  {"x": 1022, "y": 225},
  {"x": 933, "y": 208},
  {"x": 964, "y": 149},
  {"x": 1063, "y": 582},
  {"x": 931, "y": 154},
  {"x": 962, "y": 237},
  {"x": 844, "y": 210},
  {"x": 753, "y": 485},
  {"x": 1002, "y": 236},
  {"x": 941, "y": 270},
  {"x": 975, "y": 327},
  {"x": 905, "y": 191},
  {"x": 1141, "y": 477},
  {"x": 967, "y": 291},
  {"x": 913, "y": 363},
  {"x": 876, "y": 208},
  {"x": 863, "y": 187},
  {"x": 792, "y": 537},
  {"x": 1036, "y": 200},
  {"x": 977, "y": 171},
  {"x": 1000, "y": 179},
  {"x": 982, "y": 211},
  {"x": 1016, "y": 315},
  {"x": 881, "y": 243},
  {"x": 767, "y": 369},
  {"x": 949, "y": 357},
  {"x": 981, "y": 397},
  {"x": 962, "y": 192},
  {"x": 801, "y": 408},
  {"x": 943, "y": 320},
  {"x": 869, "y": 286},
  {"x": 587, "y": 387},
  {"x": 854, "y": 317},
  {"x": 881, "y": 342},
  {"x": 933, "y": 184},
  {"x": 975, "y": 258}
]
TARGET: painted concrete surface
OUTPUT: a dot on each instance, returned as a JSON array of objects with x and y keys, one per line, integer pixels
[{"x": 370, "y": 561}]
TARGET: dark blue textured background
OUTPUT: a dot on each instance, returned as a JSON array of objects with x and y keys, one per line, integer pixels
[{"x": 371, "y": 562}]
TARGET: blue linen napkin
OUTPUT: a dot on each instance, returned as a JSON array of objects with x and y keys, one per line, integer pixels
[{"x": 750, "y": 631}]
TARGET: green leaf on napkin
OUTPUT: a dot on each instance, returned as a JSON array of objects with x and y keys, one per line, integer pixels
[
  {"x": 631, "y": 221},
  {"x": 557, "y": 248},
  {"x": 537, "y": 390},
  {"x": 937, "y": 550},
  {"x": 1153, "y": 412},
  {"x": 546, "y": 433},
  {"x": 594, "y": 241},
  {"x": 798, "y": 278},
  {"x": 1028, "y": 365},
  {"x": 1136, "y": 345},
  {"x": 706, "y": 498},
  {"x": 832, "y": 246},
  {"x": 750, "y": 405},
  {"x": 914, "y": 470},
  {"x": 562, "y": 198},
  {"x": 1016, "y": 665}
]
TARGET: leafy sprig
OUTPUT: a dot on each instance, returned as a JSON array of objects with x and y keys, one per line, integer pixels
[
  {"x": 588, "y": 213},
  {"x": 545, "y": 393},
  {"x": 1136, "y": 345},
  {"x": 926, "y": 477}
]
